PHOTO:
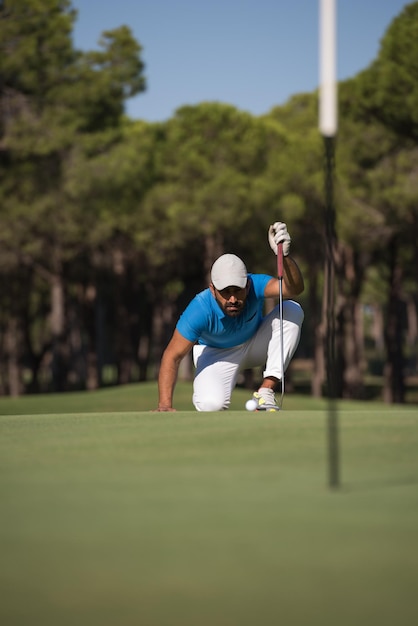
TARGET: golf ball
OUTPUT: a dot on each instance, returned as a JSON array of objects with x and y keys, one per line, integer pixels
[{"x": 251, "y": 405}]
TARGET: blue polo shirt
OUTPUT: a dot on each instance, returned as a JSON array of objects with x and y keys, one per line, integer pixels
[{"x": 204, "y": 322}]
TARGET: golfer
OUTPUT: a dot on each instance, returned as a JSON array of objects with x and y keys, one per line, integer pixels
[{"x": 226, "y": 328}]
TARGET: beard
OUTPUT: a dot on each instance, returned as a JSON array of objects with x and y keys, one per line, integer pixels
[{"x": 234, "y": 309}]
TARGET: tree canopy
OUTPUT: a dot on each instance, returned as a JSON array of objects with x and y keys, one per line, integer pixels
[{"x": 108, "y": 225}]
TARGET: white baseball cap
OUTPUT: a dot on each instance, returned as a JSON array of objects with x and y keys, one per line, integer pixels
[{"x": 229, "y": 271}]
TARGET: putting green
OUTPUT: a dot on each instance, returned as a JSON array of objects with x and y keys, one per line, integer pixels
[{"x": 208, "y": 519}]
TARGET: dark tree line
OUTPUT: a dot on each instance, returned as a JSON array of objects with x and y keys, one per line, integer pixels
[{"x": 108, "y": 226}]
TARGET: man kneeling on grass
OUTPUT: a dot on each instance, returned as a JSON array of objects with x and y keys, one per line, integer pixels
[{"x": 228, "y": 332}]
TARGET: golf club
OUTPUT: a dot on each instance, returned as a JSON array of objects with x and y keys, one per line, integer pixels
[{"x": 280, "y": 278}]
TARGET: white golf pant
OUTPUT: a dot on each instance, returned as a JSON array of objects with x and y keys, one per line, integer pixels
[{"x": 217, "y": 369}]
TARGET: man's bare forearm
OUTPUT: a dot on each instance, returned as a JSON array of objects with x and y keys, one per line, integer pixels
[
  {"x": 167, "y": 379},
  {"x": 170, "y": 362},
  {"x": 292, "y": 277}
]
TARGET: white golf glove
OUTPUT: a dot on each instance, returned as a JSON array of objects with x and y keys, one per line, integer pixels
[{"x": 278, "y": 234}]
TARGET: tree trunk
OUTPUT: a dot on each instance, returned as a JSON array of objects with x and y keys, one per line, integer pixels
[
  {"x": 378, "y": 329},
  {"x": 145, "y": 330},
  {"x": 100, "y": 335},
  {"x": 92, "y": 371},
  {"x": 393, "y": 374},
  {"x": 59, "y": 364},
  {"x": 213, "y": 249},
  {"x": 12, "y": 350},
  {"x": 317, "y": 331},
  {"x": 163, "y": 326},
  {"x": 411, "y": 313},
  {"x": 412, "y": 334},
  {"x": 77, "y": 375},
  {"x": 350, "y": 331}
]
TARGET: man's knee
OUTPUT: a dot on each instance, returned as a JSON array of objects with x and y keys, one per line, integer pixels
[
  {"x": 294, "y": 312},
  {"x": 209, "y": 402}
]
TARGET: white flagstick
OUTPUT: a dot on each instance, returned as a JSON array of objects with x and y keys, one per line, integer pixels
[
  {"x": 327, "y": 51},
  {"x": 328, "y": 129},
  {"x": 280, "y": 277}
]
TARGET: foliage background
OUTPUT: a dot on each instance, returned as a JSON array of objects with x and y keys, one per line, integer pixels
[{"x": 108, "y": 226}]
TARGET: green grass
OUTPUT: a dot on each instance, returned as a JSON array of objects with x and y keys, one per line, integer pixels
[
  {"x": 114, "y": 515},
  {"x": 143, "y": 397}
]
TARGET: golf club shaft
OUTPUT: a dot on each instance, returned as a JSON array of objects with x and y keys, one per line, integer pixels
[{"x": 280, "y": 277}]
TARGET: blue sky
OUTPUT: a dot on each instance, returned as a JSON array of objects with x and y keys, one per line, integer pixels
[{"x": 253, "y": 54}]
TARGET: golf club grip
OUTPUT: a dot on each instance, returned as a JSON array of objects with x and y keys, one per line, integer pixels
[{"x": 280, "y": 260}]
